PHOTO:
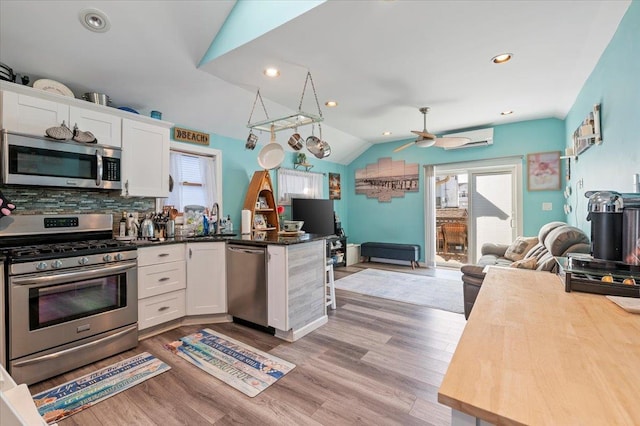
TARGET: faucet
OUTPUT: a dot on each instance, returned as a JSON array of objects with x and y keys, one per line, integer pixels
[{"x": 216, "y": 209}]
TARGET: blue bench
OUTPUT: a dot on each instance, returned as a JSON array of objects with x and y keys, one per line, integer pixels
[{"x": 408, "y": 252}]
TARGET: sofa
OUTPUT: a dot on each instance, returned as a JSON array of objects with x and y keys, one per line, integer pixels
[{"x": 554, "y": 239}]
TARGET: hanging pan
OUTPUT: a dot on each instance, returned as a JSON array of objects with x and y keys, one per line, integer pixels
[
  {"x": 317, "y": 146},
  {"x": 272, "y": 154},
  {"x": 295, "y": 141}
]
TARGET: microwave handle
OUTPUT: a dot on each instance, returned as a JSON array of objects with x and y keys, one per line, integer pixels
[{"x": 99, "y": 168}]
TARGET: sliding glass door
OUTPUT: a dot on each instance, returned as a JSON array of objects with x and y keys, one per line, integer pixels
[{"x": 469, "y": 204}]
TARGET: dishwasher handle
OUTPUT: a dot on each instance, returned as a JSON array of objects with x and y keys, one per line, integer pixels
[{"x": 245, "y": 250}]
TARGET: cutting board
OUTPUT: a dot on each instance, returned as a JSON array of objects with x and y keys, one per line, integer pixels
[{"x": 629, "y": 304}]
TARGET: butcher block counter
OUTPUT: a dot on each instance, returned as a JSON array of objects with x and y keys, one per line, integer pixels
[{"x": 533, "y": 354}]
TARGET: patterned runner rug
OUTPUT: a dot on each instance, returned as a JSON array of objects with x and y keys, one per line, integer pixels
[
  {"x": 76, "y": 395},
  {"x": 247, "y": 369},
  {"x": 433, "y": 292}
]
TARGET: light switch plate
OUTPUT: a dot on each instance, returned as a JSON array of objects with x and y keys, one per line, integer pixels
[{"x": 547, "y": 206}]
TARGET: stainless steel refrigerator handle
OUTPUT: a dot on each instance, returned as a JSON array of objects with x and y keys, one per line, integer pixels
[
  {"x": 99, "y": 168},
  {"x": 244, "y": 250},
  {"x": 76, "y": 348},
  {"x": 102, "y": 271}
]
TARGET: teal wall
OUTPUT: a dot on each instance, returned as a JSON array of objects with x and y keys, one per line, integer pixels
[
  {"x": 249, "y": 19},
  {"x": 615, "y": 84},
  {"x": 239, "y": 164},
  {"x": 401, "y": 220}
]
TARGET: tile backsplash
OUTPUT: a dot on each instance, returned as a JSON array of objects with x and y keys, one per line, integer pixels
[{"x": 47, "y": 200}]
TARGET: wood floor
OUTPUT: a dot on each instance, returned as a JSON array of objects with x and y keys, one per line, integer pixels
[{"x": 376, "y": 362}]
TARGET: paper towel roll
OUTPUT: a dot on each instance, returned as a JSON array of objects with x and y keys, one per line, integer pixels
[{"x": 246, "y": 222}]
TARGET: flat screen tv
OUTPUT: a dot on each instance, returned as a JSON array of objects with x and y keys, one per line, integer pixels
[{"x": 316, "y": 213}]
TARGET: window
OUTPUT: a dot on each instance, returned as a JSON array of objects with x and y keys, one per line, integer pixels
[
  {"x": 298, "y": 184},
  {"x": 194, "y": 180}
]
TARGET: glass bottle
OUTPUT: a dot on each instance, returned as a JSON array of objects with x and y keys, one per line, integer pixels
[{"x": 122, "y": 226}]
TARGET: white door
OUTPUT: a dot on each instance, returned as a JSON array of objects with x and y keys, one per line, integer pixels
[{"x": 492, "y": 210}]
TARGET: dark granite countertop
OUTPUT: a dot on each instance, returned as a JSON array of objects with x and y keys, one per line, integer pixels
[{"x": 256, "y": 238}]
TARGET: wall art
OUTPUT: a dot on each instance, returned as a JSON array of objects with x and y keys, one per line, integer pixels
[
  {"x": 334, "y": 186},
  {"x": 387, "y": 179},
  {"x": 543, "y": 171}
]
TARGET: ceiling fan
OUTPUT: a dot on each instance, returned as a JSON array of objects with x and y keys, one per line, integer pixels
[{"x": 426, "y": 139}]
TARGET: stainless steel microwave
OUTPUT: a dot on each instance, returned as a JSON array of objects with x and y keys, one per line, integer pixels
[{"x": 42, "y": 161}]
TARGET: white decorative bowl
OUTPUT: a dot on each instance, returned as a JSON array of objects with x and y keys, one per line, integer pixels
[{"x": 293, "y": 225}]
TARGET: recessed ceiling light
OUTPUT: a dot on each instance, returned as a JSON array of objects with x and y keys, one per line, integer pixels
[
  {"x": 506, "y": 112},
  {"x": 387, "y": 133},
  {"x": 272, "y": 72},
  {"x": 502, "y": 58},
  {"x": 94, "y": 20},
  {"x": 331, "y": 104}
]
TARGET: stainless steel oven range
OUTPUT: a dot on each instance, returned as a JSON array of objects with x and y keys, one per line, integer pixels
[{"x": 71, "y": 293}]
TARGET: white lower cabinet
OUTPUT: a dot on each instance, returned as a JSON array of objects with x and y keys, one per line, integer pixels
[
  {"x": 158, "y": 309},
  {"x": 206, "y": 278},
  {"x": 161, "y": 284}
]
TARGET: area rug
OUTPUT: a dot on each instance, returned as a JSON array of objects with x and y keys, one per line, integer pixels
[
  {"x": 433, "y": 292},
  {"x": 242, "y": 367},
  {"x": 76, "y": 395}
]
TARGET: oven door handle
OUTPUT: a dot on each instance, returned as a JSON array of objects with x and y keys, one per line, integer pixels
[{"x": 74, "y": 275}]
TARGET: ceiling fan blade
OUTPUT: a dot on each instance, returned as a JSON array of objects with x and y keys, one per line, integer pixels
[
  {"x": 451, "y": 142},
  {"x": 400, "y": 148},
  {"x": 424, "y": 134}
]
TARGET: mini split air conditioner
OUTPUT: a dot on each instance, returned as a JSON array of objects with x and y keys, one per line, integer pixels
[{"x": 481, "y": 137}]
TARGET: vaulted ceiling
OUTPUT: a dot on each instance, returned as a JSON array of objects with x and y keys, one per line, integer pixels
[{"x": 380, "y": 60}]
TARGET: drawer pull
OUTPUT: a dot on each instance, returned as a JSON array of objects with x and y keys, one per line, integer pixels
[
  {"x": 164, "y": 279},
  {"x": 164, "y": 308},
  {"x": 163, "y": 255}
]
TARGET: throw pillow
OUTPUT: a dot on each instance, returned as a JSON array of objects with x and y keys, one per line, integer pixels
[
  {"x": 519, "y": 248},
  {"x": 529, "y": 263}
]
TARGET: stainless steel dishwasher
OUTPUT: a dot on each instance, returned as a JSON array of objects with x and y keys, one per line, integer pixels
[{"x": 247, "y": 283}]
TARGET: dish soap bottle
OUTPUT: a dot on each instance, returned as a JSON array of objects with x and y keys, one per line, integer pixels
[
  {"x": 229, "y": 224},
  {"x": 205, "y": 223}
]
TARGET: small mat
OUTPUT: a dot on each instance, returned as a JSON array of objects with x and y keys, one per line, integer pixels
[
  {"x": 76, "y": 395},
  {"x": 246, "y": 369},
  {"x": 434, "y": 292}
]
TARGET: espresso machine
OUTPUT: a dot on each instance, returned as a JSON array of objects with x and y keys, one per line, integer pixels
[{"x": 615, "y": 226}]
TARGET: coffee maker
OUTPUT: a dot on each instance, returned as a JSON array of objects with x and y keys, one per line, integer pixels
[{"x": 615, "y": 225}]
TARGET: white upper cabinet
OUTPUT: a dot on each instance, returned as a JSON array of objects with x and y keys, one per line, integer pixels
[
  {"x": 105, "y": 127},
  {"x": 31, "y": 115},
  {"x": 145, "y": 159}
]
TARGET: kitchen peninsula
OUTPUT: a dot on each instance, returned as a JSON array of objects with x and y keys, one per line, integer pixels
[
  {"x": 295, "y": 280},
  {"x": 533, "y": 354}
]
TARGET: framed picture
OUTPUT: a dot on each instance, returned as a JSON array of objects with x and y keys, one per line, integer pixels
[
  {"x": 262, "y": 203},
  {"x": 259, "y": 222},
  {"x": 543, "y": 171},
  {"x": 334, "y": 186}
]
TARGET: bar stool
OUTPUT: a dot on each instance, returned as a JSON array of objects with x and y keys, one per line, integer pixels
[{"x": 330, "y": 288}]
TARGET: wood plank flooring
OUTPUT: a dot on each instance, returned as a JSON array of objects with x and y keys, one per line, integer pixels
[{"x": 376, "y": 362}]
